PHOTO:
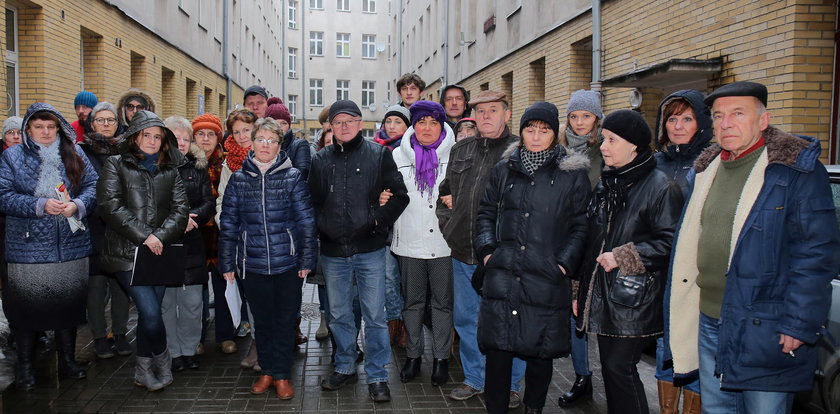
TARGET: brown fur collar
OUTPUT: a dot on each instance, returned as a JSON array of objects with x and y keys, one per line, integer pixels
[{"x": 782, "y": 148}]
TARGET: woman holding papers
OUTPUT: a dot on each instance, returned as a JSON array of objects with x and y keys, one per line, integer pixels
[
  {"x": 47, "y": 189},
  {"x": 268, "y": 234},
  {"x": 143, "y": 202}
]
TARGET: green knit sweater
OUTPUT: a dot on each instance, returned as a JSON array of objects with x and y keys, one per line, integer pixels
[{"x": 716, "y": 229}]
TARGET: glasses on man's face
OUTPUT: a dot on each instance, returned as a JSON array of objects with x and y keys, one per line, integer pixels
[
  {"x": 131, "y": 107},
  {"x": 266, "y": 141},
  {"x": 105, "y": 121},
  {"x": 342, "y": 124}
]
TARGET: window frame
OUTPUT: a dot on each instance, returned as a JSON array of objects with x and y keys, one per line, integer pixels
[
  {"x": 369, "y": 48},
  {"x": 368, "y": 93},
  {"x": 316, "y": 43},
  {"x": 342, "y": 46},
  {"x": 316, "y": 92}
]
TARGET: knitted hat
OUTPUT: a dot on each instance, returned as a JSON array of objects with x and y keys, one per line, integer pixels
[
  {"x": 742, "y": 88},
  {"x": 12, "y": 122},
  {"x": 541, "y": 111},
  {"x": 208, "y": 121},
  {"x": 630, "y": 126},
  {"x": 278, "y": 111},
  {"x": 255, "y": 90},
  {"x": 344, "y": 107},
  {"x": 85, "y": 98},
  {"x": 273, "y": 100},
  {"x": 583, "y": 100},
  {"x": 422, "y": 109},
  {"x": 400, "y": 111}
]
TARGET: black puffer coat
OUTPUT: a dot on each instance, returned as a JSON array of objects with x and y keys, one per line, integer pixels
[
  {"x": 197, "y": 186},
  {"x": 640, "y": 236},
  {"x": 345, "y": 182},
  {"x": 526, "y": 303},
  {"x": 298, "y": 151},
  {"x": 98, "y": 149},
  {"x": 676, "y": 160},
  {"x": 136, "y": 203}
]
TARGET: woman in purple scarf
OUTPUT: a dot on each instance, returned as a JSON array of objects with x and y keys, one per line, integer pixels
[{"x": 423, "y": 254}]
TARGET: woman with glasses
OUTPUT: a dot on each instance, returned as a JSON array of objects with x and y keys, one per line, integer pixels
[
  {"x": 98, "y": 146},
  {"x": 268, "y": 235},
  {"x": 132, "y": 101},
  {"x": 11, "y": 132}
]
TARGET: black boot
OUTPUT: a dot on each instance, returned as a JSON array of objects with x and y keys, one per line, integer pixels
[
  {"x": 25, "y": 369},
  {"x": 529, "y": 410},
  {"x": 65, "y": 345},
  {"x": 581, "y": 391},
  {"x": 410, "y": 369},
  {"x": 440, "y": 371}
]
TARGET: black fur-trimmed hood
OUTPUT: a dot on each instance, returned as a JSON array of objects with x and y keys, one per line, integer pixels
[{"x": 795, "y": 151}]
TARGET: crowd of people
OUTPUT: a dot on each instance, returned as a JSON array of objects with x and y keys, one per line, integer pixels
[{"x": 523, "y": 244}]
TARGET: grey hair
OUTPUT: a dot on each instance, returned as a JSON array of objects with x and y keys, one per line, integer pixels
[
  {"x": 103, "y": 106},
  {"x": 267, "y": 123},
  {"x": 178, "y": 122}
]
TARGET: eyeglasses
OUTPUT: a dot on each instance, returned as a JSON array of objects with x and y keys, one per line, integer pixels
[
  {"x": 342, "y": 124},
  {"x": 105, "y": 121},
  {"x": 131, "y": 107},
  {"x": 266, "y": 141}
]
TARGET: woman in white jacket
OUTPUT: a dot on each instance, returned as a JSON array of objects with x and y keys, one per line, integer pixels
[{"x": 423, "y": 254}]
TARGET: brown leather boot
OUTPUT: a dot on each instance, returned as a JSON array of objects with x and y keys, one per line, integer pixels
[
  {"x": 284, "y": 389},
  {"x": 262, "y": 384},
  {"x": 691, "y": 402},
  {"x": 299, "y": 336},
  {"x": 251, "y": 359},
  {"x": 669, "y": 397}
]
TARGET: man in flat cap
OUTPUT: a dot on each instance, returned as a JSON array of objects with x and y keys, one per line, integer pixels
[
  {"x": 469, "y": 168},
  {"x": 753, "y": 260},
  {"x": 345, "y": 181}
]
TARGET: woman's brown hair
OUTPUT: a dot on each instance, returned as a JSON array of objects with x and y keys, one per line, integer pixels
[
  {"x": 74, "y": 166},
  {"x": 163, "y": 152},
  {"x": 241, "y": 114},
  {"x": 594, "y": 135},
  {"x": 675, "y": 107}
]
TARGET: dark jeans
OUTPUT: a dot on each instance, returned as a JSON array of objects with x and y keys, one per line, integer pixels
[
  {"x": 225, "y": 331},
  {"x": 151, "y": 333},
  {"x": 619, "y": 358},
  {"x": 274, "y": 303},
  {"x": 497, "y": 380}
]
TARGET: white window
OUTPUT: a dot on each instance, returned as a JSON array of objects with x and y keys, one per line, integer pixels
[
  {"x": 316, "y": 43},
  {"x": 368, "y": 134},
  {"x": 316, "y": 92},
  {"x": 292, "y": 15},
  {"x": 292, "y": 63},
  {"x": 369, "y": 46},
  {"x": 342, "y": 5},
  {"x": 292, "y": 101},
  {"x": 368, "y": 96},
  {"x": 12, "y": 74},
  {"x": 369, "y": 6},
  {"x": 342, "y": 90},
  {"x": 342, "y": 44},
  {"x": 316, "y": 4}
]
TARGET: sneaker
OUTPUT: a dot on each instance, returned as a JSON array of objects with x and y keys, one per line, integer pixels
[
  {"x": 515, "y": 400},
  {"x": 463, "y": 392},
  {"x": 244, "y": 329},
  {"x": 102, "y": 348},
  {"x": 122, "y": 345}
]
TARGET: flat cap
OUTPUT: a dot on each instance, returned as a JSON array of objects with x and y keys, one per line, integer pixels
[
  {"x": 742, "y": 88},
  {"x": 344, "y": 107},
  {"x": 489, "y": 96}
]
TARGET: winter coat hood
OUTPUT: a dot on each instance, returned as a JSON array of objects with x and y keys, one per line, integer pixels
[
  {"x": 65, "y": 131},
  {"x": 704, "y": 121},
  {"x": 148, "y": 119},
  {"x": 124, "y": 99}
]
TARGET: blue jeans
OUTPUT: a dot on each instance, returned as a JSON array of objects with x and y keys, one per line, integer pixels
[
  {"x": 580, "y": 350},
  {"x": 393, "y": 297},
  {"x": 667, "y": 374},
  {"x": 368, "y": 270},
  {"x": 465, "y": 308},
  {"x": 717, "y": 400},
  {"x": 151, "y": 333}
]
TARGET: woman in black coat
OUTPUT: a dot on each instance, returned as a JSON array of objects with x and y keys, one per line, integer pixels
[
  {"x": 531, "y": 232},
  {"x": 633, "y": 213}
]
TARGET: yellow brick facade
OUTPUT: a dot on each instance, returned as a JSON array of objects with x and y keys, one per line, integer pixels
[{"x": 98, "y": 45}]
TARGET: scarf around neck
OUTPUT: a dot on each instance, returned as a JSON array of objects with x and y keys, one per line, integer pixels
[
  {"x": 618, "y": 181},
  {"x": 99, "y": 144},
  {"x": 50, "y": 174},
  {"x": 577, "y": 142},
  {"x": 235, "y": 154},
  {"x": 532, "y": 161},
  {"x": 426, "y": 163}
]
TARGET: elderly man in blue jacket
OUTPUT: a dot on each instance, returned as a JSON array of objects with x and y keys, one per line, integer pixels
[{"x": 753, "y": 260}]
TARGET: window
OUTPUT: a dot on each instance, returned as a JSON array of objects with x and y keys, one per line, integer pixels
[
  {"x": 292, "y": 102},
  {"x": 368, "y": 97},
  {"x": 316, "y": 43},
  {"x": 12, "y": 78},
  {"x": 369, "y": 46},
  {"x": 292, "y": 63},
  {"x": 369, "y": 6},
  {"x": 292, "y": 15},
  {"x": 316, "y": 92},
  {"x": 342, "y": 5},
  {"x": 316, "y": 4},
  {"x": 368, "y": 134},
  {"x": 342, "y": 90},
  {"x": 342, "y": 44}
]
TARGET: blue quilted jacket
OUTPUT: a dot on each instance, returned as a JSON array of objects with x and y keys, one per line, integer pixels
[
  {"x": 267, "y": 225},
  {"x": 32, "y": 236}
]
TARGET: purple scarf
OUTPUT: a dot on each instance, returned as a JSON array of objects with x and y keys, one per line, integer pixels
[{"x": 426, "y": 163}]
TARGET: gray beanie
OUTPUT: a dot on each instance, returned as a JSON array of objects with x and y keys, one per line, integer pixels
[
  {"x": 583, "y": 100},
  {"x": 12, "y": 122}
]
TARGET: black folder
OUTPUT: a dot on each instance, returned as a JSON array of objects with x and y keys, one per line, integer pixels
[{"x": 168, "y": 269}]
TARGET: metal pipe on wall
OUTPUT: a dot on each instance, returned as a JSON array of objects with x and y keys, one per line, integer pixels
[{"x": 595, "y": 85}]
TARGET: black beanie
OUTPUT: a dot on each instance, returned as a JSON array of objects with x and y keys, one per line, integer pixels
[
  {"x": 630, "y": 126},
  {"x": 541, "y": 111}
]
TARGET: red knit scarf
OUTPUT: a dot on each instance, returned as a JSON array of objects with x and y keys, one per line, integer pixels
[{"x": 235, "y": 154}]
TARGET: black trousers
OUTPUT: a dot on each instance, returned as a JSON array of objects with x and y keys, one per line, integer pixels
[
  {"x": 497, "y": 380},
  {"x": 619, "y": 358}
]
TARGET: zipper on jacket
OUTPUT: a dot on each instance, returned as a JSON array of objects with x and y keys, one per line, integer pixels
[
  {"x": 244, "y": 251},
  {"x": 291, "y": 242},
  {"x": 265, "y": 228}
]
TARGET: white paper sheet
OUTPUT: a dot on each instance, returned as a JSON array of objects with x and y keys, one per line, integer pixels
[{"x": 234, "y": 302}]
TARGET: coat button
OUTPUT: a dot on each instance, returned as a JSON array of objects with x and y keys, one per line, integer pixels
[
  {"x": 431, "y": 206},
  {"x": 685, "y": 280},
  {"x": 521, "y": 247},
  {"x": 518, "y": 278},
  {"x": 527, "y": 214},
  {"x": 514, "y": 313},
  {"x": 431, "y": 230},
  {"x": 433, "y": 255},
  {"x": 532, "y": 183},
  {"x": 756, "y": 322}
]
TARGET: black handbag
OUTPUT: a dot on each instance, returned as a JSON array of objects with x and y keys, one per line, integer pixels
[
  {"x": 629, "y": 290},
  {"x": 168, "y": 269}
]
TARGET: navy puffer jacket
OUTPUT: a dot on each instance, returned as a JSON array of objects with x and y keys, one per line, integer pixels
[
  {"x": 267, "y": 225},
  {"x": 31, "y": 235},
  {"x": 298, "y": 151}
]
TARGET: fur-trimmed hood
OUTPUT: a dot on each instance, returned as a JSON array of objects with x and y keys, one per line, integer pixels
[
  {"x": 795, "y": 151},
  {"x": 198, "y": 155},
  {"x": 124, "y": 98},
  {"x": 567, "y": 159}
]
